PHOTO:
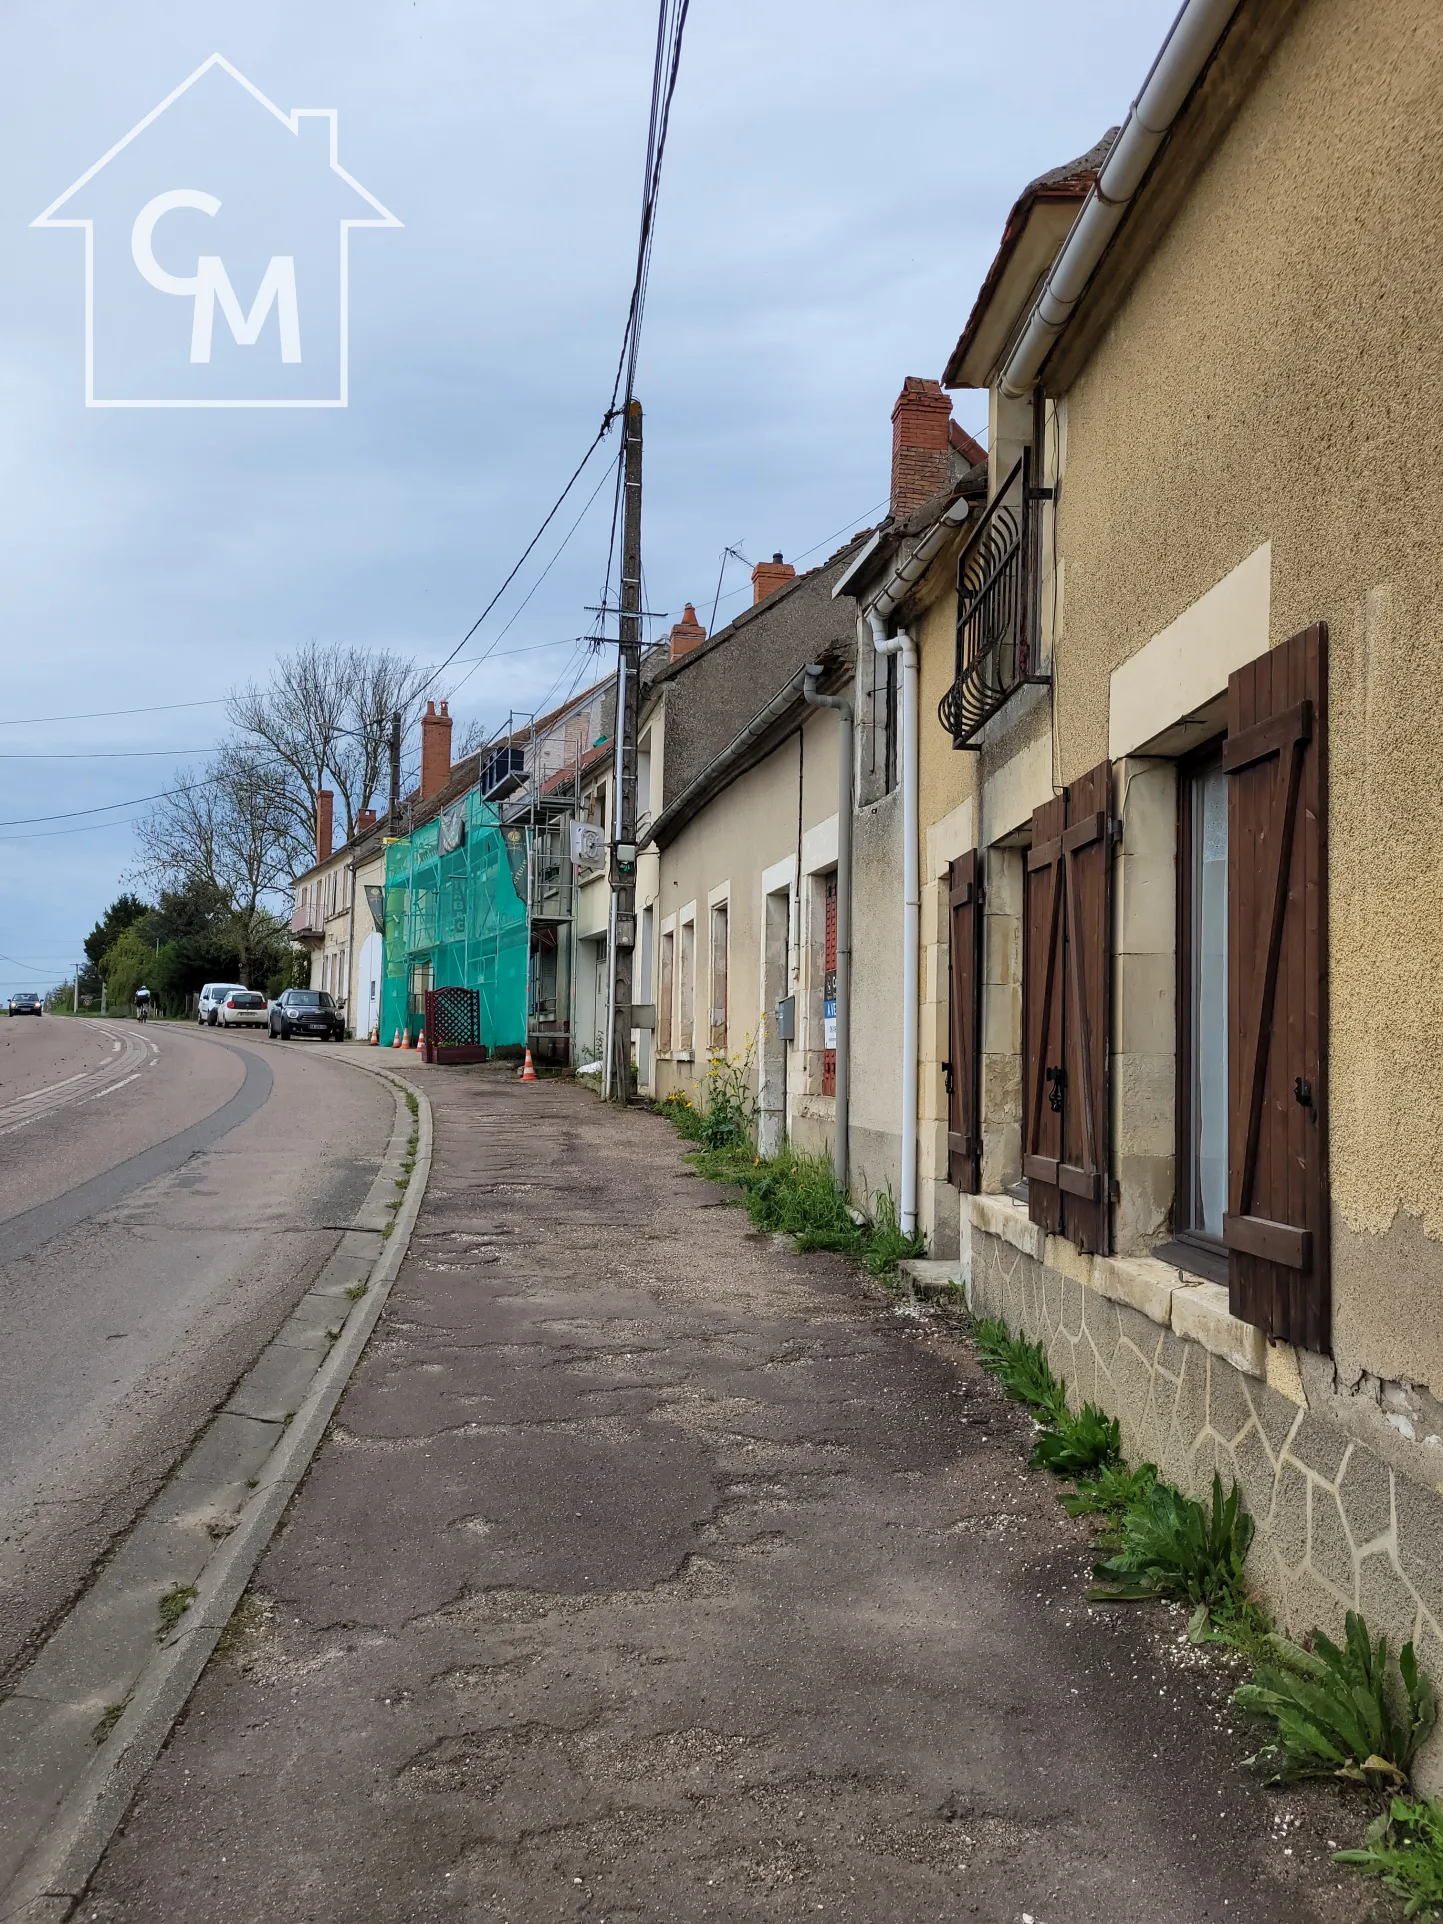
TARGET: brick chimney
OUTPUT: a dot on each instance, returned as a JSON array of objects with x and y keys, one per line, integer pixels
[
  {"x": 768, "y": 576},
  {"x": 920, "y": 423},
  {"x": 325, "y": 820},
  {"x": 686, "y": 634},
  {"x": 435, "y": 749},
  {"x": 366, "y": 819}
]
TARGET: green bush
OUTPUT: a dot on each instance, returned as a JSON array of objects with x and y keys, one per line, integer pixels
[
  {"x": 1170, "y": 1546},
  {"x": 1404, "y": 1846},
  {"x": 1340, "y": 1712}
]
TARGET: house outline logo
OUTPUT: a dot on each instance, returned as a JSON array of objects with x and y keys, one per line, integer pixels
[{"x": 211, "y": 286}]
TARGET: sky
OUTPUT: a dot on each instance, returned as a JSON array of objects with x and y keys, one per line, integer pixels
[{"x": 835, "y": 185}]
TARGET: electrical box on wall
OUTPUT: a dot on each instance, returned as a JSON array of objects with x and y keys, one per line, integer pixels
[{"x": 787, "y": 1019}]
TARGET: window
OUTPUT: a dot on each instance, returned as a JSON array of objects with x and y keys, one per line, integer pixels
[
  {"x": 878, "y": 772},
  {"x": 1202, "y": 1169},
  {"x": 829, "y": 989},
  {"x": 686, "y": 978},
  {"x": 664, "y": 989},
  {"x": 719, "y": 976}
]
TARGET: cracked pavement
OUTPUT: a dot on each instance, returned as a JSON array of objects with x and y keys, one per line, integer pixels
[{"x": 652, "y": 1572}]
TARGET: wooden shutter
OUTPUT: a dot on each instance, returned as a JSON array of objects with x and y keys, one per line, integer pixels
[
  {"x": 1067, "y": 998},
  {"x": 829, "y": 989},
  {"x": 964, "y": 920},
  {"x": 1276, "y": 1226}
]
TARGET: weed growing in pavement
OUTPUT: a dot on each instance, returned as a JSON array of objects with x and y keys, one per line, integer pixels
[
  {"x": 387, "y": 1230},
  {"x": 887, "y": 1245},
  {"x": 253, "y": 1482},
  {"x": 1340, "y": 1712},
  {"x": 395, "y": 1203},
  {"x": 1171, "y": 1546},
  {"x": 357, "y": 1291},
  {"x": 107, "y": 1720},
  {"x": 1081, "y": 1444},
  {"x": 333, "y": 1335},
  {"x": 1023, "y": 1371},
  {"x": 1110, "y": 1494},
  {"x": 173, "y": 1606},
  {"x": 411, "y": 1103},
  {"x": 791, "y": 1193},
  {"x": 1404, "y": 1846}
]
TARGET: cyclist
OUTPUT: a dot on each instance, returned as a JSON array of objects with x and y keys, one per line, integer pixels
[{"x": 142, "y": 1003}]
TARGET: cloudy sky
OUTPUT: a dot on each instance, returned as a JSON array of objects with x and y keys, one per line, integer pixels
[{"x": 835, "y": 186}]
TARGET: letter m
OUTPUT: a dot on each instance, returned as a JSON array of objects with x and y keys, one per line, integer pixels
[{"x": 277, "y": 289}]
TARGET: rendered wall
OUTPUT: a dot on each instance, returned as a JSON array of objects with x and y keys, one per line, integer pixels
[{"x": 1275, "y": 376}]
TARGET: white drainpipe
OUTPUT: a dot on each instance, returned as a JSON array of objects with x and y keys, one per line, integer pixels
[
  {"x": 902, "y": 644},
  {"x": 1186, "y": 51}
]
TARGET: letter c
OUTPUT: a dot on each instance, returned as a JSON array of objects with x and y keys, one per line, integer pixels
[{"x": 143, "y": 232}]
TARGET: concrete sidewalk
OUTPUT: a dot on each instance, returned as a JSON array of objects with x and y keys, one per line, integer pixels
[{"x": 650, "y": 1573}]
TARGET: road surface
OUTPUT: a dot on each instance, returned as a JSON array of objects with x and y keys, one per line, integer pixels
[{"x": 169, "y": 1193}]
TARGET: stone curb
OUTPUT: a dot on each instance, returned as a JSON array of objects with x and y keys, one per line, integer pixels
[{"x": 54, "y": 1875}]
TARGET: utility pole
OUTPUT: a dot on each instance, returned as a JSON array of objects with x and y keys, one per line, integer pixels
[
  {"x": 395, "y": 808},
  {"x": 622, "y": 931}
]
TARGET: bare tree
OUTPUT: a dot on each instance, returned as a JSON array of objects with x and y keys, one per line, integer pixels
[
  {"x": 324, "y": 719},
  {"x": 233, "y": 830}
]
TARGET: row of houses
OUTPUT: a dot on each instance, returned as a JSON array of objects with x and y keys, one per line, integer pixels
[{"x": 1064, "y": 854}]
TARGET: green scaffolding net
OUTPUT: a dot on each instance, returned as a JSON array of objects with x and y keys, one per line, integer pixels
[{"x": 456, "y": 918}]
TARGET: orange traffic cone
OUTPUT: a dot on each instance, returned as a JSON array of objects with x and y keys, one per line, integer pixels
[
  {"x": 374, "y": 1039},
  {"x": 396, "y": 1040},
  {"x": 421, "y": 1042},
  {"x": 405, "y": 1038},
  {"x": 528, "y": 1069}
]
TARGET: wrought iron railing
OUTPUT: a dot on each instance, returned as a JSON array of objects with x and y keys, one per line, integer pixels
[{"x": 996, "y": 610}]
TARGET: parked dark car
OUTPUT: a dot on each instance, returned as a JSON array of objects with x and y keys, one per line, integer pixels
[
  {"x": 26, "y": 1002},
  {"x": 307, "y": 1012}
]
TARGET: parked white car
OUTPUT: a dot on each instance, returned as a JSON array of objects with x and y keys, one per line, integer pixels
[
  {"x": 211, "y": 997},
  {"x": 244, "y": 1009}
]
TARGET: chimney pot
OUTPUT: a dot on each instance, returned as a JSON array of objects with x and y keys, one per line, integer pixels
[
  {"x": 686, "y": 634},
  {"x": 435, "y": 750},
  {"x": 768, "y": 576},
  {"x": 921, "y": 423},
  {"x": 325, "y": 820}
]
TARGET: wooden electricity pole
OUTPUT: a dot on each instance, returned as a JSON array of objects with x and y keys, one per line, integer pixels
[{"x": 619, "y": 1082}]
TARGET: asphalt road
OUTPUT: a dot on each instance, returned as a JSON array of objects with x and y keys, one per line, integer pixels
[{"x": 168, "y": 1196}]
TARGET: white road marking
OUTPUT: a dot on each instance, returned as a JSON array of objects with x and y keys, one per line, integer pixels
[
  {"x": 52, "y": 1086},
  {"x": 115, "y": 1085}
]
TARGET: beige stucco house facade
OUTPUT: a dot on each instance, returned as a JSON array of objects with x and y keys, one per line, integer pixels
[{"x": 1208, "y": 832}]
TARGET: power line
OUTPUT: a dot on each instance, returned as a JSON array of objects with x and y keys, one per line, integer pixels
[
  {"x": 109, "y": 714},
  {"x": 104, "y": 754},
  {"x": 102, "y": 808}
]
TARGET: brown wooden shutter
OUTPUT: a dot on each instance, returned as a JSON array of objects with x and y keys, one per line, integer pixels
[
  {"x": 1042, "y": 1048},
  {"x": 964, "y": 921},
  {"x": 1067, "y": 996},
  {"x": 829, "y": 988},
  {"x": 1276, "y": 1227}
]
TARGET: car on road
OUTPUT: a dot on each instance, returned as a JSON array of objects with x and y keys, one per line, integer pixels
[
  {"x": 307, "y": 1012},
  {"x": 26, "y": 1002},
  {"x": 243, "y": 1009},
  {"x": 211, "y": 997}
]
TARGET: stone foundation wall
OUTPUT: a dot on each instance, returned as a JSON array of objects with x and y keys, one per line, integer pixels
[{"x": 1339, "y": 1525}]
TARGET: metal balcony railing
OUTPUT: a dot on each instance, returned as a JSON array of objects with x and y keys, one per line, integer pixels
[{"x": 996, "y": 610}]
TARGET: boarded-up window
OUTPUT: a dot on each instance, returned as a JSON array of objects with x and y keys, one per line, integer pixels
[
  {"x": 719, "y": 976},
  {"x": 829, "y": 990},
  {"x": 964, "y": 923},
  {"x": 1276, "y": 1228},
  {"x": 686, "y": 980},
  {"x": 664, "y": 990},
  {"x": 1067, "y": 996}
]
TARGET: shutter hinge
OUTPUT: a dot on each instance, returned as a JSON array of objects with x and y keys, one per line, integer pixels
[{"x": 1115, "y": 827}]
